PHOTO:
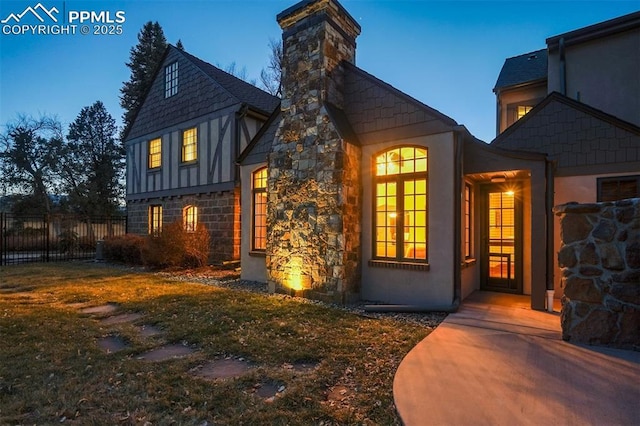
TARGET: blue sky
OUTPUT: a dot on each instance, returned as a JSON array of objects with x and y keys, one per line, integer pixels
[{"x": 447, "y": 54}]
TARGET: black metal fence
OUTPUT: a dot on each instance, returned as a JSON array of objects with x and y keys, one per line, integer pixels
[{"x": 52, "y": 238}]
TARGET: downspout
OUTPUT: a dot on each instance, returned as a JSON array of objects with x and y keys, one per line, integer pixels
[
  {"x": 550, "y": 246},
  {"x": 563, "y": 67},
  {"x": 457, "y": 233},
  {"x": 237, "y": 137}
]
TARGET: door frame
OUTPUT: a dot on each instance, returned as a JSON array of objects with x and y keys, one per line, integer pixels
[{"x": 485, "y": 189}]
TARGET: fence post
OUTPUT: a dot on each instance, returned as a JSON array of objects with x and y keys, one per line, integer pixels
[{"x": 47, "y": 238}]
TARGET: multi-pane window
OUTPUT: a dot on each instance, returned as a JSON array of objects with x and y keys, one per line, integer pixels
[
  {"x": 190, "y": 145},
  {"x": 171, "y": 80},
  {"x": 155, "y": 219},
  {"x": 400, "y": 220},
  {"x": 468, "y": 232},
  {"x": 618, "y": 188},
  {"x": 522, "y": 110},
  {"x": 155, "y": 153},
  {"x": 260, "y": 209},
  {"x": 190, "y": 218}
]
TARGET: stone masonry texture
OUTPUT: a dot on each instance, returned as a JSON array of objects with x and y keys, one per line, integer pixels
[
  {"x": 314, "y": 184},
  {"x": 600, "y": 261}
]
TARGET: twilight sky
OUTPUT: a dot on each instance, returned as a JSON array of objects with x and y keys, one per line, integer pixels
[{"x": 446, "y": 54}]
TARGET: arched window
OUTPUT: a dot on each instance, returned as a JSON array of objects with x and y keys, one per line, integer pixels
[
  {"x": 190, "y": 218},
  {"x": 259, "y": 190},
  {"x": 401, "y": 200}
]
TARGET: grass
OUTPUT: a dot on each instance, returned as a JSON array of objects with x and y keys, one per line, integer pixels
[{"x": 52, "y": 369}]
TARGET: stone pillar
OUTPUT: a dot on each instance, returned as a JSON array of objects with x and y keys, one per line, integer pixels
[
  {"x": 313, "y": 208},
  {"x": 600, "y": 261}
]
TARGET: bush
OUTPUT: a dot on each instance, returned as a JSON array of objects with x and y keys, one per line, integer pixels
[
  {"x": 124, "y": 248},
  {"x": 175, "y": 247}
]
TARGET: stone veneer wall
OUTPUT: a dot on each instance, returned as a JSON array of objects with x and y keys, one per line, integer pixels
[
  {"x": 600, "y": 261},
  {"x": 219, "y": 212},
  {"x": 314, "y": 188}
]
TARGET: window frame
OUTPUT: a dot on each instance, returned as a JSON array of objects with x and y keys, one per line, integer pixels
[
  {"x": 617, "y": 179},
  {"x": 184, "y": 145},
  {"x": 400, "y": 179},
  {"x": 155, "y": 219},
  {"x": 468, "y": 222},
  {"x": 190, "y": 218},
  {"x": 152, "y": 155},
  {"x": 255, "y": 192},
  {"x": 171, "y": 80}
]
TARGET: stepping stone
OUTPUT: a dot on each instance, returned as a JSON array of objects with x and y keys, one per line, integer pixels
[
  {"x": 119, "y": 319},
  {"x": 102, "y": 309},
  {"x": 339, "y": 393},
  {"x": 268, "y": 390},
  {"x": 111, "y": 344},
  {"x": 222, "y": 369},
  {"x": 148, "y": 331},
  {"x": 302, "y": 366},
  {"x": 167, "y": 352}
]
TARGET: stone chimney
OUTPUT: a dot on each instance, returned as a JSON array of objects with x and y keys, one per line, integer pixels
[{"x": 313, "y": 209}]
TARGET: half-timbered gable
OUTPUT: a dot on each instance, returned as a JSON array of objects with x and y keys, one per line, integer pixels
[{"x": 183, "y": 145}]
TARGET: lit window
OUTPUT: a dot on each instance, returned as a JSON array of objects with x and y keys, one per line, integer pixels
[
  {"x": 468, "y": 233},
  {"x": 170, "y": 80},
  {"x": 190, "y": 145},
  {"x": 260, "y": 209},
  {"x": 155, "y": 153},
  {"x": 618, "y": 188},
  {"x": 522, "y": 110},
  {"x": 400, "y": 221},
  {"x": 190, "y": 218},
  {"x": 155, "y": 220}
]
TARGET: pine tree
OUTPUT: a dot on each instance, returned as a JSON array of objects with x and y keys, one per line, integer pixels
[
  {"x": 93, "y": 163},
  {"x": 144, "y": 58},
  {"x": 179, "y": 45}
]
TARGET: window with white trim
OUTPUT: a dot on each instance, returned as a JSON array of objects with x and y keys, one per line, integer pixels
[
  {"x": 259, "y": 190},
  {"x": 155, "y": 220},
  {"x": 171, "y": 79},
  {"x": 190, "y": 145},
  {"x": 190, "y": 218}
]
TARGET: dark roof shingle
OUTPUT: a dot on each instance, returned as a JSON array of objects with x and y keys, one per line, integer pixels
[{"x": 524, "y": 68}]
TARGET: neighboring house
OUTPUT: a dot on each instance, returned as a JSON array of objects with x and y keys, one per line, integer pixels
[
  {"x": 583, "y": 113},
  {"x": 182, "y": 150}
]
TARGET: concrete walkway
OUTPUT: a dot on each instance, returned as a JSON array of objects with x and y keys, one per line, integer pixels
[{"x": 497, "y": 362}]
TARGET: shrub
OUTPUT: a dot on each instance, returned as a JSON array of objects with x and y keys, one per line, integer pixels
[
  {"x": 124, "y": 248},
  {"x": 175, "y": 247}
]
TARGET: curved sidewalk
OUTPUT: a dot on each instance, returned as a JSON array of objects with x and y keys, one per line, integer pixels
[{"x": 497, "y": 362}]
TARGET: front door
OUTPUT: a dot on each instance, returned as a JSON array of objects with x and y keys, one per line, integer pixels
[{"x": 502, "y": 238}]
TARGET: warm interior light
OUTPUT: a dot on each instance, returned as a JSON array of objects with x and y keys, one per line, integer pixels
[{"x": 510, "y": 193}]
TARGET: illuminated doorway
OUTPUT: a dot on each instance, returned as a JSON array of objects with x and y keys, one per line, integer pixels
[{"x": 502, "y": 239}]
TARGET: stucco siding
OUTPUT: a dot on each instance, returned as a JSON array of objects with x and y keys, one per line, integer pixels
[
  {"x": 253, "y": 264},
  {"x": 430, "y": 288}
]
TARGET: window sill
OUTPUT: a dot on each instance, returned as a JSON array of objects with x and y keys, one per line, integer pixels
[
  {"x": 189, "y": 163},
  {"x": 154, "y": 170},
  {"x": 468, "y": 263},
  {"x": 256, "y": 253},
  {"x": 390, "y": 264}
]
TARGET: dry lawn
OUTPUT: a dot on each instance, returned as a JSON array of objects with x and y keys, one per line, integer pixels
[{"x": 52, "y": 369}]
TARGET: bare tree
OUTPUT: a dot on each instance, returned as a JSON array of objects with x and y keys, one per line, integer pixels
[{"x": 271, "y": 77}]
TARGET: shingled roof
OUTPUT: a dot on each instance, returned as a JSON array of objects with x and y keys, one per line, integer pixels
[
  {"x": 240, "y": 89},
  {"x": 521, "y": 69},
  {"x": 203, "y": 89}
]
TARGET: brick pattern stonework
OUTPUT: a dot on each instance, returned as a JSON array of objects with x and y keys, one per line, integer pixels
[
  {"x": 600, "y": 261},
  {"x": 219, "y": 212},
  {"x": 314, "y": 199}
]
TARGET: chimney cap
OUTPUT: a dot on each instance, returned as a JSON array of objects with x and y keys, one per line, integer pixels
[{"x": 304, "y": 8}]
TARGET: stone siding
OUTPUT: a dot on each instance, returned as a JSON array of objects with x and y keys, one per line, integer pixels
[
  {"x": 219, "y": 212},
  {"x": 600, "y": 261}
]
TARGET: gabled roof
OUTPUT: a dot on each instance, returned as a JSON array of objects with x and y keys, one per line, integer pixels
[
  {"x": 373, "y": 111},
  {"x": 257, "y": 150},
  {"x": 573, "y": 134},
  {"x": 203, "y": 89},
  {"x": 247, "y": 93},
  {"x": 527, "y": 68}
]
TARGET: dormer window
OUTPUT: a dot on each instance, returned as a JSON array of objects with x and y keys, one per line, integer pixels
[{"x": 171, "y": 80}]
